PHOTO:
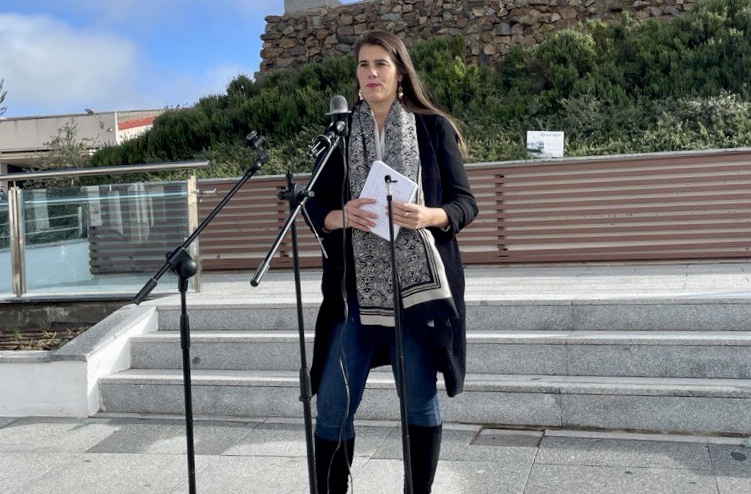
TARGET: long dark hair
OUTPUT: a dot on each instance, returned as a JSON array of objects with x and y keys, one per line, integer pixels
[{"x": 416, "y": 98}]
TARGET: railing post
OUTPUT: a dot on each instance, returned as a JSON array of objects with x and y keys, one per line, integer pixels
[
  {"x": 16, "y": 228},
  {"x": 194, "y": 251},
  {"x": 80, "y": 220}
]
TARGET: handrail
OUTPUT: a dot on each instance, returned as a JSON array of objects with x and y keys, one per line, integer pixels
[
  {"x": 103, "y": 170},
  {"x": 15, "y": 212}
]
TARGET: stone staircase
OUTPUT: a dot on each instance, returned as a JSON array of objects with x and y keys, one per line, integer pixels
[{"x": 677, "y": 365}]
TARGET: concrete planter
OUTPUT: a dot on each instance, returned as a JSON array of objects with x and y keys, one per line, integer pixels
[{"x": 64, "y": 382}]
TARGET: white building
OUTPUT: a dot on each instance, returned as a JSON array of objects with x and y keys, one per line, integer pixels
[{"x": 23, "y": 139}]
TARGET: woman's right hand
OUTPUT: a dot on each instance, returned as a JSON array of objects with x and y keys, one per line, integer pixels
[{"x": 353, "y": 216}]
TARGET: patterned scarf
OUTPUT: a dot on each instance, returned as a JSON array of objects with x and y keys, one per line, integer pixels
[{"x": 420, "y": 270}]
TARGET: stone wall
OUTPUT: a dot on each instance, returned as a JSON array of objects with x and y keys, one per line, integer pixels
[{"x": 310, "y": 34}]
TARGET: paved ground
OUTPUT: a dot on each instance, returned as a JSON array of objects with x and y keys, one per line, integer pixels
[
  {"x": 528, "y": 282},
  {"x": 111, "y": 455},
  {"x": 534, "y": 282},
  {"x": 129, "y": 455}
]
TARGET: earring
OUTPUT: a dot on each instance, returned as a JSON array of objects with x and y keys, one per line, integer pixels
[
  {"x": 399, "y": 90},
  {"x": 360, "y": 95}
]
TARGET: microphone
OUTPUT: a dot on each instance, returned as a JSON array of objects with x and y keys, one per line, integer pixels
[
  {"x": 338, "y": 108},
  {"x": 338, "y": 111},
  {"x": 253, "y": 140},
  {"x": 388, "y": 181}
]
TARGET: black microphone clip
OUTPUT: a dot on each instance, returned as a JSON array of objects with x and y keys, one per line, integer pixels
[
  {"x": 338, "y": 111},
  {"x": 253, "y": 140},
  {"x": 324, "y": 141}
]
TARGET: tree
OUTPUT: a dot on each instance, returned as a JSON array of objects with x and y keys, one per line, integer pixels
[
  {"x": 65, "y": 150},
  {"x": 2, "y": 98}
]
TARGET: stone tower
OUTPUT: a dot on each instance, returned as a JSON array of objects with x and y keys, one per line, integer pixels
[{"x": 292, "y": 6}]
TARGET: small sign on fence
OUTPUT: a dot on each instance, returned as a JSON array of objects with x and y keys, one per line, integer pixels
[{"x": 545, "y": 144}]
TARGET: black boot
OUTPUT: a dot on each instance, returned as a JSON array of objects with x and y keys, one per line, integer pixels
[
  {"x": 424, "y": 450},
  {"x": 333, "y": 460}
]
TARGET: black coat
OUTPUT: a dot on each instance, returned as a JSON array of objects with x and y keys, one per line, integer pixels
[{"x": 445, "y": 184}]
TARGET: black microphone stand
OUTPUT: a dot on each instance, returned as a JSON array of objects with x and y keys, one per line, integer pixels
[
  {"x": 398, "y": 335},
  {"x": 297, "y": 198},
  {"x": 181, "y": 264}
]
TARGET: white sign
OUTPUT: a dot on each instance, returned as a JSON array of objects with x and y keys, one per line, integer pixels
[{"x": 545, "y": 144}]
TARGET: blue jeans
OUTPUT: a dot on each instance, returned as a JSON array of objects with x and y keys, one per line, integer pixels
[{"x": 346, "y": 371}]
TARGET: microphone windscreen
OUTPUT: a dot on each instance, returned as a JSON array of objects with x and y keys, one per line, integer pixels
[{"x": 337, "y": 105}]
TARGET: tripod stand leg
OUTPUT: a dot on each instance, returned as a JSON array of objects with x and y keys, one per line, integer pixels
[
  {"x": 185, "y": 345},
  {"x": 399, "y": 335}
]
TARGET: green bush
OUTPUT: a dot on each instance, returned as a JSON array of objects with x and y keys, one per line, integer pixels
[{"x": 630, "y": 86}]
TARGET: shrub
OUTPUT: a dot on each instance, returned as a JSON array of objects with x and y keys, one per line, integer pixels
[{"x": 631, "y": 86}]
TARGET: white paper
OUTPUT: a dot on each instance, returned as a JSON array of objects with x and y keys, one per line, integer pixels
[{"x": 403, "y": 190}]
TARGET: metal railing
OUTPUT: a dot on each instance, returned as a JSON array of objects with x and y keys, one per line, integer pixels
[
  {"x": 95, "y": 208},
  {"x": 650, "y": 207},
  {"x": 692, "y": 205}
]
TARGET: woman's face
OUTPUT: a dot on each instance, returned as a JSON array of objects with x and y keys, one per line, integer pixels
[{"x": 377, "y": 75}]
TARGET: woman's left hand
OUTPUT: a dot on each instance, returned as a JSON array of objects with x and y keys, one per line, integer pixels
[{"x": 414, "y": 216}]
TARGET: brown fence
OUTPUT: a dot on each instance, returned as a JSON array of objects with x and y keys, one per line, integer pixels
[
  {"x": 685, "y": 206},
  {"x": 675, "y": 206},
  {"x": 136, "y": 226}
]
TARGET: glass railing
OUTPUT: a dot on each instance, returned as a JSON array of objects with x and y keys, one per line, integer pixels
[
  {"x": 5, "y": 264},
  {"x": 101, "y": 240}
]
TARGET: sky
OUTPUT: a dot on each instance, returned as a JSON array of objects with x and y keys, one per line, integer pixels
[{"x": 63, "y": 56}]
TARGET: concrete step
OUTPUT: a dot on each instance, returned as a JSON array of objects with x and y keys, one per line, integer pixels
[
  {"x": 717, "y": 406},
  {"x": 652, "y": 314},
  {"x": 670, "y": 354},
  {"x": 663, "y": 364}
]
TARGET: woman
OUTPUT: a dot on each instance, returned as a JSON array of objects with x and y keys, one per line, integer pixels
[{"x": 393, "y": 121}]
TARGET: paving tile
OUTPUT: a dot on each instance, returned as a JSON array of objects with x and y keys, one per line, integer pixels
[
  {"x": 115, "y": 474},
  {"x": 575, "y": 479},
  {"x": 18, "y": 469},
  {"x": 612, "y": 452},
  {"x": 50, "y": 434},
  {"x": 150, "y": 438},
  {"x": 239, "y": 474},
  {"x": 732, "y": 468},
  {"x": 452, "y": 477}
]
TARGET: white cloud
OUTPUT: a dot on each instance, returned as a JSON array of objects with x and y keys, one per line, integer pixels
[
  {"x": 126, "y": 54},
  {"x": 47, "y": 63},
  {"x": 216, "y": 78},
  {"x": 182, "y": 88}
]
